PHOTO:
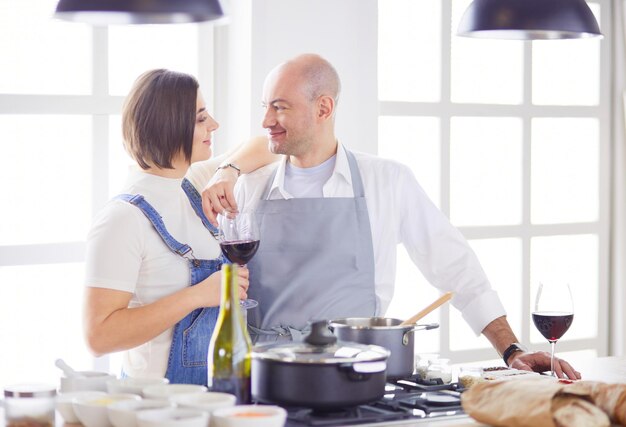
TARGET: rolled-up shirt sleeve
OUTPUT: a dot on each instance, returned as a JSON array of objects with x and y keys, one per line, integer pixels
[{"x": 444, "y": 256}]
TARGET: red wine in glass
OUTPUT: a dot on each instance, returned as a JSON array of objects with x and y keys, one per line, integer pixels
[
  {"x": 239, "y": 240},
  {"x": 239, "y": 251},
  {"x": 553, "y": 314},
  {"x": 553, "y": 325}
]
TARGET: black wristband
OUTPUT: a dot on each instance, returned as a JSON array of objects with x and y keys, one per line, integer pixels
[{"x": 510, "y": 350}]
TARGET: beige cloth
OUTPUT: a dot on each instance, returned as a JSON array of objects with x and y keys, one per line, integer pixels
[{"x": 545, "y": 402}]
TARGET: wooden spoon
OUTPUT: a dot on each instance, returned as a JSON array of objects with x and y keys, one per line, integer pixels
[{"x": 413, "y": 319}]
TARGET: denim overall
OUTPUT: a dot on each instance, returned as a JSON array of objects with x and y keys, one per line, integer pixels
[
  {"x": 187, "y": 362},
  {"x": 316, "y": 261}
]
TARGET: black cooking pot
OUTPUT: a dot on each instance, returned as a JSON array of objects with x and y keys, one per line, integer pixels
[
  {"x": 386, "y": 332},
  {"x": 320, "y": 372}
]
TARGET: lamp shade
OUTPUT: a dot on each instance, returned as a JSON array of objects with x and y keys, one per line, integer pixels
[
  {"x": 529, "y": 20},
  {"x": 103, "y": 12}
]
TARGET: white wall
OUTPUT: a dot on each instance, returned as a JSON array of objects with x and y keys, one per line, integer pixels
[{"x": 344, "y": 32}]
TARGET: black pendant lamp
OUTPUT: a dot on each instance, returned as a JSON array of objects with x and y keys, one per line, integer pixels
[
  {"x": 529, "y": 20},
  {"x": 103, "y": 12}
]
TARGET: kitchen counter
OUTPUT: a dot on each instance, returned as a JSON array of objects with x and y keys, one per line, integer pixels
[{"x": 607, "y": 369}]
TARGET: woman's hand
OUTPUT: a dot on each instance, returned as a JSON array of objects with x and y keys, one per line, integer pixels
[
  {"x": 212, "y": 285},
  {"x": 218, "y": 195}
]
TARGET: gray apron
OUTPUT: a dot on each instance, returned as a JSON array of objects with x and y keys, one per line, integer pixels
[{"x": 315, "y": 261}]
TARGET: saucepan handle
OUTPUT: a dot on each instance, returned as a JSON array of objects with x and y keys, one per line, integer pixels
[
  {"x": 360, "y": 371},
  {"x": 425, "y": 327}
]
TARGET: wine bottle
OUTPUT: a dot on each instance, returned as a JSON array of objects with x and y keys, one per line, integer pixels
[{"x": 230, "y": 349}]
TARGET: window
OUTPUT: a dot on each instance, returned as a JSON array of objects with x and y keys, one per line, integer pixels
[
  {"x": 510, "y": 139},
  {"x": 61, "y": 93}
]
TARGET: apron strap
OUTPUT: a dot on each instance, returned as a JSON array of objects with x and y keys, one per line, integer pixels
[
  {"x": 153, "y": 216},
  {"x": 282, "y": 331},
  {"x": 357, "y": 182}
]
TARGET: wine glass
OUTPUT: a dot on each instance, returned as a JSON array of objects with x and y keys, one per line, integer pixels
[
  {"x": 554, "y": 313},
  {"x": 239, "y": 240}
]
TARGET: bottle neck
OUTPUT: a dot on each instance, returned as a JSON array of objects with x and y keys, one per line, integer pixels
[{"x": 230, "y": 291}]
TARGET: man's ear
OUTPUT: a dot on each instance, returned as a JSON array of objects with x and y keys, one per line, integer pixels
[{"x": 325, "y": 107}]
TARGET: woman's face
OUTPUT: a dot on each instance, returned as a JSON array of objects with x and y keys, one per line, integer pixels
[{"x": 205, "y": 125}]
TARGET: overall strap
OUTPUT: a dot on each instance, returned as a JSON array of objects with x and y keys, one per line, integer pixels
[
  {"x": 157, "y": 222},
  {"x": 196, "y": 202}
]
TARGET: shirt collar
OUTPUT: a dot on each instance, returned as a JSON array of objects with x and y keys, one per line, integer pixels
[{"x": 341, "y": 172}]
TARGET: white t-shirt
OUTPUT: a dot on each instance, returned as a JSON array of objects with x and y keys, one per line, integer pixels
[
  {"x": 308, "y": 182},
  {"x": 125, "y": 253},
  {"x": 391, "y": 191}
]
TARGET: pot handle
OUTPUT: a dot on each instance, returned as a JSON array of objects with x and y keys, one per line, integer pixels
[
  {"x": 361, "y": 371},
  {"x": 405, "y": 336}
]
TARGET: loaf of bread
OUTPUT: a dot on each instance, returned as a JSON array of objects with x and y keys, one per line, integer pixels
[
  {"x": 532, "y": 402},
  {"x": 611, "y": 398}
]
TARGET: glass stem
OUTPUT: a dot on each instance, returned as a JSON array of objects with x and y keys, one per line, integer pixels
[{"x": 552, "y": 344}]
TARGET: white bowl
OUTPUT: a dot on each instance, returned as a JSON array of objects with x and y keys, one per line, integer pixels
[
  {"x": 89, "y": 380},
  {"x": 165, "y": 391},
  {"x": 92, "y": 411},
  {"x": 207, "y": 402},
  {"x": 249, "y": 416},
  {"x": 63, "y": 403},
  {"x": 124, "y": 412},
  {"x": 173, "y": 417},
  {"x": 133, "y": 385}
]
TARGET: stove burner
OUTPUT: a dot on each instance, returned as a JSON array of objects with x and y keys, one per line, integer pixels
[
  {"x": 363, "y": 414},
  {"x": 403, "y": 400},
  {"x": 416, "y": 383}
]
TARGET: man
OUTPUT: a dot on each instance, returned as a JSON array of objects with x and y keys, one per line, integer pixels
[{"x": 331, "y": 221}]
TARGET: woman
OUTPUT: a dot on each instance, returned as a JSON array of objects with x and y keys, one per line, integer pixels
[{"x": 149, "y": 244}]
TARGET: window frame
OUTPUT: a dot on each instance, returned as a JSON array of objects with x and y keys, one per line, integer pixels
[
  {"x": 445, "y": 109},
  {"x": 100, "y": 105}
]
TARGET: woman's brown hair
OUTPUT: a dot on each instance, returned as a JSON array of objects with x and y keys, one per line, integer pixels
[{"x": 158, "y": 117}]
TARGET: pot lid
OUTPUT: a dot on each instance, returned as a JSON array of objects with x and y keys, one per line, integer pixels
[{"x": 321, "y": 347}]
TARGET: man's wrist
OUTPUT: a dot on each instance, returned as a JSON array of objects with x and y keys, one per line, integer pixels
[{"x": 511, "y": 350}]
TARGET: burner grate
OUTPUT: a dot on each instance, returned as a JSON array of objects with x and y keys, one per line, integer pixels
[
  {"x": 404, "y": 399},
  {"x": 363, "y": 414}
]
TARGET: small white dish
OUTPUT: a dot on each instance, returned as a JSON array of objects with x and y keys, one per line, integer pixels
[
  {"x": 133, "y": 385},
  {"x": 124, "y": 413},
  {"x": 173, "y": 417},
  {"x": 165, "y": 391},
  {"x": 88, "y": 380},
  {"x": 208, "y": 402},
  {"x": 249, "y": 416},
  {"x": 63, "y": 403},
  {"x": 92, "y": 411}
]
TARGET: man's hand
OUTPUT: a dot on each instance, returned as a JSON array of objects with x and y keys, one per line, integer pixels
[
  {"x": 539, "y": 361},
  {"x": 218, "y": 195}
]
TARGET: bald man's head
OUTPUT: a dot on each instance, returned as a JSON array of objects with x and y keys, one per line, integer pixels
[{"x": 317, "y": 76}]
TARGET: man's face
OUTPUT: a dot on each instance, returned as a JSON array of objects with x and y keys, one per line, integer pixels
[{"x": 289, "y": 113}]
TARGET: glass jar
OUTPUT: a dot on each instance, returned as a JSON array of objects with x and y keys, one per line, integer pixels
[
  {"x": 421, "y": 363},
  {"x": 439, "y": 368},
  {"x": 29, "y": 405},
  {"x": 470, "y": 375}
]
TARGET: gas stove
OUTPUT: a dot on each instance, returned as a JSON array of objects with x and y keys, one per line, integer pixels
[{"x": 406, "y": 401}]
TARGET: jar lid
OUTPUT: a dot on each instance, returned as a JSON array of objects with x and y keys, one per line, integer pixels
[{"x": 30, "y": 390}]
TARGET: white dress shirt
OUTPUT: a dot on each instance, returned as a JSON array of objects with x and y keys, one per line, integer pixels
[{"x": 399, "y": 212}]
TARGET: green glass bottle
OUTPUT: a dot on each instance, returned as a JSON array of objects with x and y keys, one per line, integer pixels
[{"x": 230, "y": 350}]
